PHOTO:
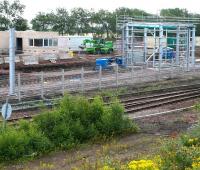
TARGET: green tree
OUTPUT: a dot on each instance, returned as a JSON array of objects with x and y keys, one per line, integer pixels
[
  {"x": 196, "y": 21},
  {"x": 174, "y": 12},
  {"x": 43, "y": 21},
  {"x": 130, "y": 12},
  {"x": 103, "y": 22},
  {"x": 183, "y": 13},
  {"x": 80, "y": 20},
  {"x": 133, "y": 13},
  {"x": 4, "y": 22},
  {"x": 62, "y": 21},
  {"x": 21, "y": 24},
  {"x": 10, "y": 14}
]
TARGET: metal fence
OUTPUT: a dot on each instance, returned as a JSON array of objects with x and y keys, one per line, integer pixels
[{"x": 47, "y": 84}]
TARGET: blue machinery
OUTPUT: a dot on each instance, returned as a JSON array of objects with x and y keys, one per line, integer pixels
[
  {"x": 106, "y": 63},
  {"x": 158, "y": 43}
]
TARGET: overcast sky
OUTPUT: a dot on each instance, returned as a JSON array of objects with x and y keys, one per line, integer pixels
[{"x": 153, "y": 6}]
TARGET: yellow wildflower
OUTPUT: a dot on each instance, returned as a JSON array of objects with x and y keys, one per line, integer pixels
[
  {"x": 142, "y": 165},
  {"x": 106, "y": 167}
]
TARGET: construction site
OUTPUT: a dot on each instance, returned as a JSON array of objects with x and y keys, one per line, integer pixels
[
  {"x": 152, "y": 66},
  {"x": 143, "y": 51}
]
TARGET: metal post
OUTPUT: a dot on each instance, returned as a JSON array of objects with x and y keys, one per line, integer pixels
[
  {"x": 132, "y": 44},
  {"x": 82, "y": 79},
  {"x": 127, "y": 45},
  {"x": 154, "y": 48},
  {"x": 193, "y": 46},
  {"x": 132, "y": 73},
  {"x": 172, "y": 69},
  {"x": 12, "y": 61},
  {"x": 123, "y": 46},
  {"x": 160, "y": 46},
  {"x": 117, "y": 69},
  {"x": 145, "y": 44},
  {"x": 177, "y": 45},
  {"x": 100, "y": 76},
  {"x": 188, "y": 49},
  {"x": 42, "y": 85},
  {"x": 159, "y": 73},
  {"x": 4, "y": 120},
  {"x": 19, "y": 86},
  {"x": 63, "y": 82}
]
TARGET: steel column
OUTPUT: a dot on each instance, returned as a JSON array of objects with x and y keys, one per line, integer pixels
[
  {"x": 19, "y": 86},
  {"x": 177, "y": 46},
  {"x": 12, "y": 61},
  {"x": 145, "y": 45},
  {"x": 160, "y": 46},
  {"x": 193, "y": 46}
]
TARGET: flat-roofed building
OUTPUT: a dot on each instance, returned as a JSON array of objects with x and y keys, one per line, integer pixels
[
  {"x": 40, "y": 45},
  {"x": 31, "y": 41}
]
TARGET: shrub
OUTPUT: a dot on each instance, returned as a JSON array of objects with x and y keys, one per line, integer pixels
[
  {"x": 38, "y": 143},
  {"x": 52, "y": 126},
  {"x": 113, "y": 121},
  {"x": 75, "y": 120},
  {"x": 23, "y": 141},
  {"x": 182, "y": 153},
  {"x": 13, "y": 145}
]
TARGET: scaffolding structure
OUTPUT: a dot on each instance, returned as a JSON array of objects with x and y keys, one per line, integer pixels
[{"x": 157, "y": 44}]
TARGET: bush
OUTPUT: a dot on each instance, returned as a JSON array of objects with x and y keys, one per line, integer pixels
[
  {"x": 113, "y": 121},
  {"x": 75, "y": 120},
  {"x": 25, "y": 141},
  {"x": 182, "y": 153},
  {"x": 38, "y": 143},
  {"x": 13, "y": 145}
]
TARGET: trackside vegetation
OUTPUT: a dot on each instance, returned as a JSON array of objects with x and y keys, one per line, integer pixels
[
  {"x": 177, "y": 153},
  {"x": 74, "y": 121}
]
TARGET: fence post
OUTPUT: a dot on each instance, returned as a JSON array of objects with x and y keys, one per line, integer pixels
[
  {"x": 63, "y": 82},
  {"x": 19, "y": 86},
  {"x": 172, "y": 70},
  {"x": 117, "y": 69},
  {"x": 194, "y": 69},
  {"x": 42, "y": 84},
  {"x": 132, "y": 73},
  {"x": 82, "y": 79},
  {"x": 100, "y": 76},
  {"x": 142, "y": 77},
  {"x": 159, "y": 74}
]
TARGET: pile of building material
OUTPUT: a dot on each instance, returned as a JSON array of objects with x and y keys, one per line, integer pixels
[{"x": 30, "y": 60}]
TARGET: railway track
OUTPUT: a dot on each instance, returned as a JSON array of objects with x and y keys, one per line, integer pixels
[
  {"x": 132, "y": 104},
  {"x": 148, "y": 102}
]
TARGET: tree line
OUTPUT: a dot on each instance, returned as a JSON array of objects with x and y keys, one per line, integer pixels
[{"x": 77, "y": 20}]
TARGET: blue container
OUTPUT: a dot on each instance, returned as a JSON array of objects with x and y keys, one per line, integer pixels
[{"x": 168, "y": 53}]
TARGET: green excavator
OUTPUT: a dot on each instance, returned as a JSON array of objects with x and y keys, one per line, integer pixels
[{"x": 97, "y": 46}]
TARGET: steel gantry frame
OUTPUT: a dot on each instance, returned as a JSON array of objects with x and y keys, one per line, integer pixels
[{"x": 148, "y": 42}]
